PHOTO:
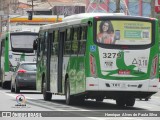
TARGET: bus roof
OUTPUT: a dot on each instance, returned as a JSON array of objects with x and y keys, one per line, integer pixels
[
  {"x": 88, "y": 15},
  {"x": 76, "y": 19}
]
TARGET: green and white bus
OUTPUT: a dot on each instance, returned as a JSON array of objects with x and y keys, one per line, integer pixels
[
  {"x": 71, "y": 60},
  {"x": 15, "y": 47}
]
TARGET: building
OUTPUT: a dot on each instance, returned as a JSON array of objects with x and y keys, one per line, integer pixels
[
  {"x": 5, "y": 6},
  {"x": 9, "y": 6},
  {"x": 131, "y": 7},
  {"x": 59, "y": 7}
]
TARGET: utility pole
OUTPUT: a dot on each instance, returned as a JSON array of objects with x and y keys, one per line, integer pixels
[
  {"x": 1, "y": 14},
  {"x": 1, "y": 17},
  {"x": 30, "y": 14},
  {"x": 117, "y": 6},
  {"x": 32, "y": 6},
  {"x": 8, "y": 17},
  {"x": 152, "y": 8}
]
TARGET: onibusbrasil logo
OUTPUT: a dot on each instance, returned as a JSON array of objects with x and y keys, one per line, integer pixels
[{"x": 21, "y": 100}]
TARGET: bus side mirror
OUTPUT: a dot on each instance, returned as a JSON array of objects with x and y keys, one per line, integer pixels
[{"x": 35, "y": 44}]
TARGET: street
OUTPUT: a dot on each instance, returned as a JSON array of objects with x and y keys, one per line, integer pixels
[{"x": 34, "y": 102}]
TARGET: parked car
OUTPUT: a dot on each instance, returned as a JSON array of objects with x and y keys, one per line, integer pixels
[{"x": 24, "y": 77}]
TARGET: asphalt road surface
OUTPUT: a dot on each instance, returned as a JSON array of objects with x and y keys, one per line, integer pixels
[{"x": 35, "y": 107}]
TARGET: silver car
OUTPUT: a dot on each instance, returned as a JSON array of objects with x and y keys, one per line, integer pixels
[{"x": 24, "y": 77}]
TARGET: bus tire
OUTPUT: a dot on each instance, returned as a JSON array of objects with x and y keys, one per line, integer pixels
[
  {"x": 130, "y": 102},
  {"x": 69, "y": 98},
  {"x": 120, "y": 102},
  {"x": 17, "y": 89},
  {"x": 46, "y": 95}
]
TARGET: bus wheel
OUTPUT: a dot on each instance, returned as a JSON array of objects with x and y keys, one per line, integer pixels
[
  {"x": 99, "y": 99},
  {"x": 130, "y": 101},
  {"x": 17, "y": 89},
  {"x": 46, "y": 95},
  {"x": 120, "y": 102},
  {"x": 69, "y": 98}
]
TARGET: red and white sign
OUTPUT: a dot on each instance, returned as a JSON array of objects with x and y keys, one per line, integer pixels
[
  {"x": 157, "y": 6},
  {"x": 124, "y": 72}
]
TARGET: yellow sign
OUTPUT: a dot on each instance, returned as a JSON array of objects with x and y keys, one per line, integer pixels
[{"x": 36, "y": 20}]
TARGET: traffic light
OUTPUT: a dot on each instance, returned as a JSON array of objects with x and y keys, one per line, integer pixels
[{"x": 30, "y": 16}]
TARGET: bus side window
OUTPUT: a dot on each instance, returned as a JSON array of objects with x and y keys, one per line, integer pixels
[
  {"x": 38, "y": 49},
  {"x": 45, "y": 43},
  {"x": 67, "y": 44},
  {"x": 52, "y": 49},
  {"x": 51, "y": 42},
  {"x": 75, "y": 41},
  {"x": 83, "y": 40},
  {"x": 55, "y": 43},
  {"x": 41, "y": 46}
]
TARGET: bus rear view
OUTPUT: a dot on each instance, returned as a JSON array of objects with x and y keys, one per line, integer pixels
[
  {"x": 16, "y": 47},
  {"x": 99, "y": 56},
  {"x": 124, "y": 63}
]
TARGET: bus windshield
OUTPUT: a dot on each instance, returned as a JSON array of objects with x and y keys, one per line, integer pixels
[
  {"x": 124, "y": 32},
  {"x": 22, "y": 41}
]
